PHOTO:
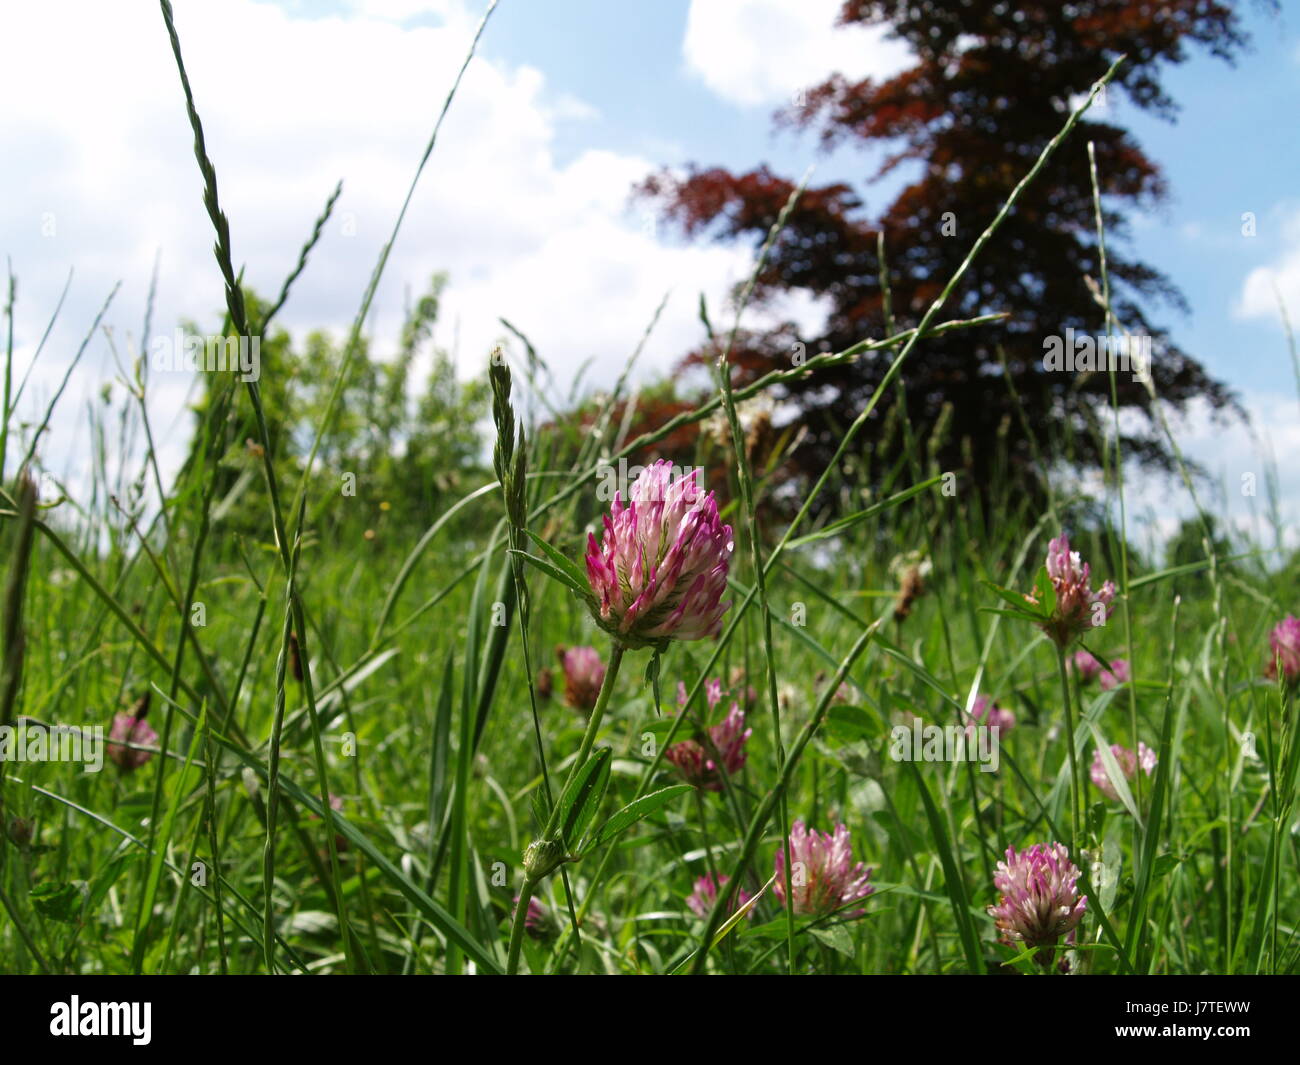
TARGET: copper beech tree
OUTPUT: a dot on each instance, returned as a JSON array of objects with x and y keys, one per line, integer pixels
[{"x": 990, "y": 85}]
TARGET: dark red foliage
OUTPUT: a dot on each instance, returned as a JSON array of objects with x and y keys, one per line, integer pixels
[{"x": 992, "y": 83}]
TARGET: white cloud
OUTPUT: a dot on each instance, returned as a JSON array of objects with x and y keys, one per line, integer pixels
[
  {"x": 1242, "y": 465},
  {"x": 100, "y": 175},
  {"x": 760, "y": 52},
  {"x": 1265, "y": 284}
]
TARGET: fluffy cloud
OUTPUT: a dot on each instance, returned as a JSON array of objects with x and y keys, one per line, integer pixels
[
  {"x": 101, "y": 177},
  {"x": 1242, "y": 464},
  {"x": 1265, "y": 284},
  {"x": 759, "y": 52}
]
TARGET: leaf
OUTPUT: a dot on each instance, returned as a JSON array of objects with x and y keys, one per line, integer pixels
[
  {"x": 652, "y": 677},
  {"x": 850, "y": 723},
  {"x": 1045, "y": 592},
  {"x": 312, "y": 923},
  {"x": 837, "y": 938},
  {"x": 1115, "y": 774},
  {"x": 59, "y": 902},
  {"x": 848, "y": 521},
  {"x": 1184, "y": 570},
  {"x": 107, "y": 877},
  {"x": 1164, "y": 865},
  {"x": 744, "y": 911},
  {"x": 659, "y": 727},
  {"x": 953, "y": 882},
  {"x": 1019, "y": 606},
  {"x": 560, "y": 561},
  {"x": 582, "y": 798},
  {"x": 634, "y": 812},
  {"x": 554, "y": 572}
]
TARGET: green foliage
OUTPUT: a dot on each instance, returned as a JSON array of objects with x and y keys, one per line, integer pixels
[{"x": 403, "y": 444}]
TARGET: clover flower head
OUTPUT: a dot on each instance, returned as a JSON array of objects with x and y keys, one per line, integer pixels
[
  {"x": 1128, "y": 762},
  {"x": 825, "y": 875},
  {"x": 1039, "y": 901},
  {"x": 584, "y": 673},
  {"x": 127, "y": 728},
  {"x": 1284, "y": 648},
  {"x": 661, "y": 569}
]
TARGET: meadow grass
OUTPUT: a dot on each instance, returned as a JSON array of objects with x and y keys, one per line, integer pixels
[{"x": 353, "y": 749}]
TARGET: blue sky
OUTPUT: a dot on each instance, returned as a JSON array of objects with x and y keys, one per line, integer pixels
[
  {"x": 1232, "y": 149},
  {"x": 526, "y": 200}
]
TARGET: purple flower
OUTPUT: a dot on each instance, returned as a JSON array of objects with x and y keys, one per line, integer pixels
[
  {"x": 661, "y": 569},
  {"x": 129, "y": 729},
  {"x": 584, "y": 672},
  {"x": 705, "y": 895},
  {"x": 1078, "y": 607},
  {"x": 984, "y": 712},
  {"x": 539, "y": 922},
  {"x": 1284, "y": 643},
  {"x": 1118, "y": 674},
  {"x": 1083, "y": 663},
  {"x": 712, "y": 692},
  {"x": 1128, "y": 762},
  {"x": 1039, "y": 902},
  {"x": 825, "y": 876},
  {"x": 697, "y": 764}
]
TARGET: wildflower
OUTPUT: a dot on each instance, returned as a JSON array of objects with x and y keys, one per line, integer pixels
[
  {"x": 130, "y": 728},
  {"x": 697, "y": 765},
  {"x": 1039, "y": 902},
  {"x": 702, "y": 899},
  {"x": 1284, "y": 643},
  {"x": 1118, "y": 673},
  {"x": 985, "y": 712},
  {"x": 1078, "y": 608},
  {"x": 825, "y": 874},
  {"x": 1128, "y": 762},
  {"x": 1083, "y": 663},
  {"x": 584, "y": 672},
  {"x": 539, "y": 922},
  {"x": 661, "y": 568}
]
